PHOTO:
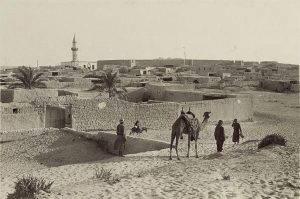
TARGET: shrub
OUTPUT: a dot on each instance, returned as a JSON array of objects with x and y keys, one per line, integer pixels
[
  {"x": 106, "y": 175},
  {"x": 27, "y": 187},
  {"x": 141, "y": 174},
  {"x": 272, "y": 140},
  {"x": 103, "y": 174},
  {"x": 114, "y": 180},
  {"x": 226, "y": 176}
]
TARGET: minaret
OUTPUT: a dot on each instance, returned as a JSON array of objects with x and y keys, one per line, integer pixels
[{"x": 74, "y": 52}]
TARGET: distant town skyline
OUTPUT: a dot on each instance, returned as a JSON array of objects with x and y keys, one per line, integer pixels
[{"x": 256, "y": 30}]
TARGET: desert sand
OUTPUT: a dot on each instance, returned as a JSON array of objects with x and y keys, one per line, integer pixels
[{"x": 70, "y": 161}]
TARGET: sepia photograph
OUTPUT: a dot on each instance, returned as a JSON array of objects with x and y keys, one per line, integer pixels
[{"x": 149, "y": 99}]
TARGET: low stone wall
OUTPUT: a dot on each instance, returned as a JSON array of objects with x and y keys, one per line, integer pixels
[
  {"x": 105, "y": 114},
  {"x": 133, "y": 145}
]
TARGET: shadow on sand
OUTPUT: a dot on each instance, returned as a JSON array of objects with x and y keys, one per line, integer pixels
[{"x": 70, "y": 149}]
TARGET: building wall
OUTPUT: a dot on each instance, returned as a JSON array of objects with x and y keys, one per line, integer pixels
[
  {"x": 161, "y": 62},
  {"x": 182, "y": 96},
  {"x": 295, "y": 88},
  {"x": 275, "y": 85},
  {"x": 136, "y": 95},
  {"x": 75, "y": 83},
  {"x": 157, "y": 90},
  {"x": 86, "y": 114},
  {"x": 91, "y": 65},
  {"x": 26, "y": 95},
  {"x": 7, "y": 95},
  {"x": 21, "y": 116}
]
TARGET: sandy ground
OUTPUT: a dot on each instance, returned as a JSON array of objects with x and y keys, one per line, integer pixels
[{"x": 70, "y": 162}]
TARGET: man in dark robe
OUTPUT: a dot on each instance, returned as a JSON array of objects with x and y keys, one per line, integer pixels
[
  {"x": 121, "y": 138},
  {"x": 219, "y": 136},
  {"x": 237, "y": 132}
]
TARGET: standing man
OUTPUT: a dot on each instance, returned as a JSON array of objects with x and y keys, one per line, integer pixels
[
  {"x": 219, "y": 136},
  {"x": 121, "y": 138},
  {"x": 237, "y": 132}
]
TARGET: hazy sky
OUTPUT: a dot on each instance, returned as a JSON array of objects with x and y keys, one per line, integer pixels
[{"x": 206, "y": 29}]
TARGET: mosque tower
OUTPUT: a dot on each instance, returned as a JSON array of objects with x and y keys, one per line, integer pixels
[{"x": 74, "y": 52}]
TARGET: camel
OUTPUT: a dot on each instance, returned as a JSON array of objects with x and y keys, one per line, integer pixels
[{"x": 191, "y": 127}]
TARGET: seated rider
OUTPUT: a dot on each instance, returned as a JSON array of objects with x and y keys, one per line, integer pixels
[
  {"x": 192, "y": 124},
  {"x": 191, "y": 113},
  {"x": 136, "y": 126}
]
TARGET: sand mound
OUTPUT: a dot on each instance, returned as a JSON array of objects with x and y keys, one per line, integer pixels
[{"x": 49, "y": 149}]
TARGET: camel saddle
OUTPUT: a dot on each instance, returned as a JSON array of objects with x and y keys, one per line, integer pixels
[{"x": 192, "y": 126}]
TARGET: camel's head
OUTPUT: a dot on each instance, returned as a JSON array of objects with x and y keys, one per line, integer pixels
[
  {"x": 182, "y": 111},
  {"x": 189, "y": 112},
  {"x": 206, "y": 115}
]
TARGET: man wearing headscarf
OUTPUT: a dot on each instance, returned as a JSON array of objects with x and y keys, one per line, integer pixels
[
  {"x": 121, "y": 138},
  {"x": 237, "y": 132},
  {"x": 219, "y": 136}
]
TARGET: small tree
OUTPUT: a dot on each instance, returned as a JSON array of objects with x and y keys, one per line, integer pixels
[{"x": 29, "y": 79}]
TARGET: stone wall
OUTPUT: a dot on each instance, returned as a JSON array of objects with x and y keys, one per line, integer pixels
[
  {"x": 25, "y": 95},
  {"x": 183, "y": 96},
  {"x": 136, "y": 95},
  {"x": 83, "y": 83},
  {"x": 60, "y": 100},
  {"x": 21, "y": 116},
  {"x": 157, "y": 91},
  {"x": 276, "y": 85},
  {"x": 295, "y": 88},
  {"x": 7, "y": 95},
  {"x": 105, "y": 115}
]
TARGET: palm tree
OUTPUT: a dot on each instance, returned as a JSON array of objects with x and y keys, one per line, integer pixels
[
  {"x": 108, "y": 82},
  {"x": 29, "y": 79}
]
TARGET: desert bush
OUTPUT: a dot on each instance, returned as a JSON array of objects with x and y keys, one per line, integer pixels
[
  {"x": 273, "y": 139},
  {"x": 141, "y": 174},
  {"x": 103, "y": 174},
  {"x": 226, "y": 176},
  {"x": 106, "y": 175},
  {"x": 114, "y": 180},
  {"x": 28, "y": 187}
]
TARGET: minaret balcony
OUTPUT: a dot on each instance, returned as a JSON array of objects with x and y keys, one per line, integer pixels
[{"x": 74, "y": 49}]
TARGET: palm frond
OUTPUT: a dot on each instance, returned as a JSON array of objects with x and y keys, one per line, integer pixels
[
  {"x": 16, "y": 85},
  {"x": 28, "y": 78},
  {"x": 36, "y": 77}
]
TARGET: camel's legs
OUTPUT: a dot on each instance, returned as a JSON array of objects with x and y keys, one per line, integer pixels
[
  {"x": 196, "y": 150},
  {"x": 171, "y": 145},
  {"x": 176, "y": 146},
  {"x": 189, "y": 145}
]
